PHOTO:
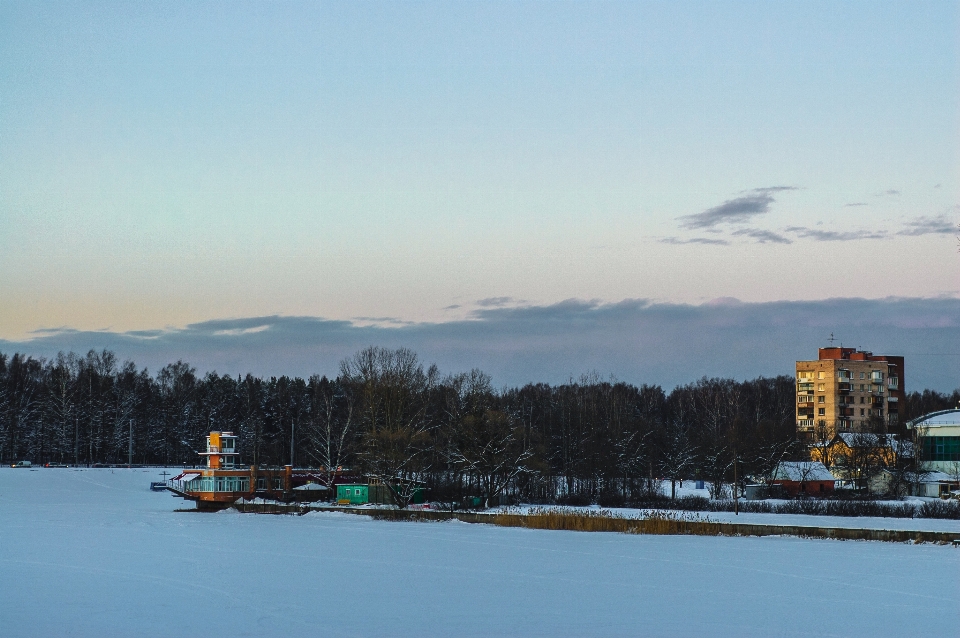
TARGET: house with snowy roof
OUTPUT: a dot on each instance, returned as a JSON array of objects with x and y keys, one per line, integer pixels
[
  {"x": 883, "y": 449},
  {"x": 925, "y": 483},
  {"x": 804, "y": 478}
]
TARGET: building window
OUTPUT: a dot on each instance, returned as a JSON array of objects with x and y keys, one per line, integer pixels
[
  {"x": 820, "y": 388},
  {"x": 821, "y": 399},
  {"x": 820, "y": 375},
  {"x": 862, "y": 375},
  {"x": 822, "y": 412},
  {"x": 941, "y": 448},
  {"x": 861, "y": 411}
]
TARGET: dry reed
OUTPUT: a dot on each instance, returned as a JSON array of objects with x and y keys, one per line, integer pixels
[{"x": 654, "y": 522}]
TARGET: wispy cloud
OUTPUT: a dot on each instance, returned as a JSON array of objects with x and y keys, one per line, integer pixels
[
  {"x": 929, "y": 226},
  {"x": 832, "y": 235},
  {"x": 737, "y": 210},
  {"x": 497, "y": 302},
  {"x": 762, "y": 236},
  {"x": 695, "y": 240},
  {"x": 856, "y": 204},
  {"x": 637, "y": 340},
  {"x": 382, "y": 322}
]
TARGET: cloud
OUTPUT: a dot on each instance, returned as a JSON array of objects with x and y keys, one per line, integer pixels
[
  {"x": 762, "y": 236},
  {"x": 382, "y": 321},
  {"x": 496, "y": 301},
  {"x": 737, "y": 210},
  {"x": 637, "y": 340},
  {"x": 929, "y": 226},
  {"x": 856, "y": 204},
  {"x": 832, "y": 235},
  {"x": 890, "y": 192},
  {"x": 695, "y": 240}
]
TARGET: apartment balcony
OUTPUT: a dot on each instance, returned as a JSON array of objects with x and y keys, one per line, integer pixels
[
  {"x": 844, "y": 386},
  {"x": 892, "y": 399}
]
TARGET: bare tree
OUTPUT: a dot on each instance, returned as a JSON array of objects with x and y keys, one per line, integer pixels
[
  {"x": 676, "y": 453},
  {"x": 392, "y": 390},
  {"x": 489, "y": 446},
  {"x": 331, "y": 429}
]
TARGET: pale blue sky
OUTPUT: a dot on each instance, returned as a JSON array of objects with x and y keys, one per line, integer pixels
[{"x": 168, "y": 163}]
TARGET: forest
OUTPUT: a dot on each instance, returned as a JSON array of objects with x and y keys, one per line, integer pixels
[{"x": 391, "y": 416}]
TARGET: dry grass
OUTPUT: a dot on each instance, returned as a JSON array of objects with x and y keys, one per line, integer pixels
[{"x": 656, "y": 522}]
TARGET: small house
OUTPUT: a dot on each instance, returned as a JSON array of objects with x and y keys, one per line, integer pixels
[
  {"x": 353, "y": 494},
  {"x": 930, "y": 484},
  {"x": 374, "y": 492},
  {"x": 804, "y": 478}
]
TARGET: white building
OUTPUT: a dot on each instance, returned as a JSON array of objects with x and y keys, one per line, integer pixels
[{"x": 938, "y": 438}]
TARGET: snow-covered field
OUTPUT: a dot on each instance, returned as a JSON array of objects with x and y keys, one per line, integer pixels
[{"x": 95, "y": 553}]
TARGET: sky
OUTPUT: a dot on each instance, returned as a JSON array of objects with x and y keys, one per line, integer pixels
[{"x": 430, "y": 168}]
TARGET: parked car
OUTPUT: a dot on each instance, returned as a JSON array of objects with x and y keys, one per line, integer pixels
[
  {"x": 55, "y": 465},
  {"x": 22, "y": 464}
]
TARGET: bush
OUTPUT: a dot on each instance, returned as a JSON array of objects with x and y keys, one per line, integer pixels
[
  {"x": 611, "y": 499},
  {"x": 939, "y": 509},
  {"x": 576, "y": 500}
]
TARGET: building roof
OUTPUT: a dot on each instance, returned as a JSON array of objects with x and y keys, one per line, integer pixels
[
  {"x": 864, "y": 439},
  {"x": 802, "y": 471},
  {"x": 310, "y": 487},
  {"x": 937, "y": 419}
]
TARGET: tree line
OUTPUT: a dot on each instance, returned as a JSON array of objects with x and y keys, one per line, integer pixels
[{"x": 389, "y": 416}]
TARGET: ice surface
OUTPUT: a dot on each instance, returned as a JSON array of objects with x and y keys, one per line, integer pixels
[{"x": 96, "y": 553}]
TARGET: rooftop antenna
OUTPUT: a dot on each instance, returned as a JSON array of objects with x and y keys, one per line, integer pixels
[{"x": 831, "y": 339}]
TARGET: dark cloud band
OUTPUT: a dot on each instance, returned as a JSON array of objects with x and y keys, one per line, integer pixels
[{"x": 635, "y": 340}]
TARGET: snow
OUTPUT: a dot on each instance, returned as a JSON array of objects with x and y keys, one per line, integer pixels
[{"x": 96, "y": 553}]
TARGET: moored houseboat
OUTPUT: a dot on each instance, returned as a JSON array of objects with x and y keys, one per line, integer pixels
[{"x": 223, "y": 481}]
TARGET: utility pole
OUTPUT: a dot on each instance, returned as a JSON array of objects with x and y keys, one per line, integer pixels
[
  {"x": 130, "y": 447},
  {"x": 736, "y": 501}
]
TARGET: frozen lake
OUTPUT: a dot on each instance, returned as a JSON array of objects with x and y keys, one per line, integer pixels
[{"x": 95, "y": 553}]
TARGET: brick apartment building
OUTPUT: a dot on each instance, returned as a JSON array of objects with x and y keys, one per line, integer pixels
[{"x": 847, "y": 390}]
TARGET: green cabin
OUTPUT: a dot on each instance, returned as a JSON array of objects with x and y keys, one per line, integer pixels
[
  {"x": 353, "y": 494},
  {"x": 363, "y": 494}
]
